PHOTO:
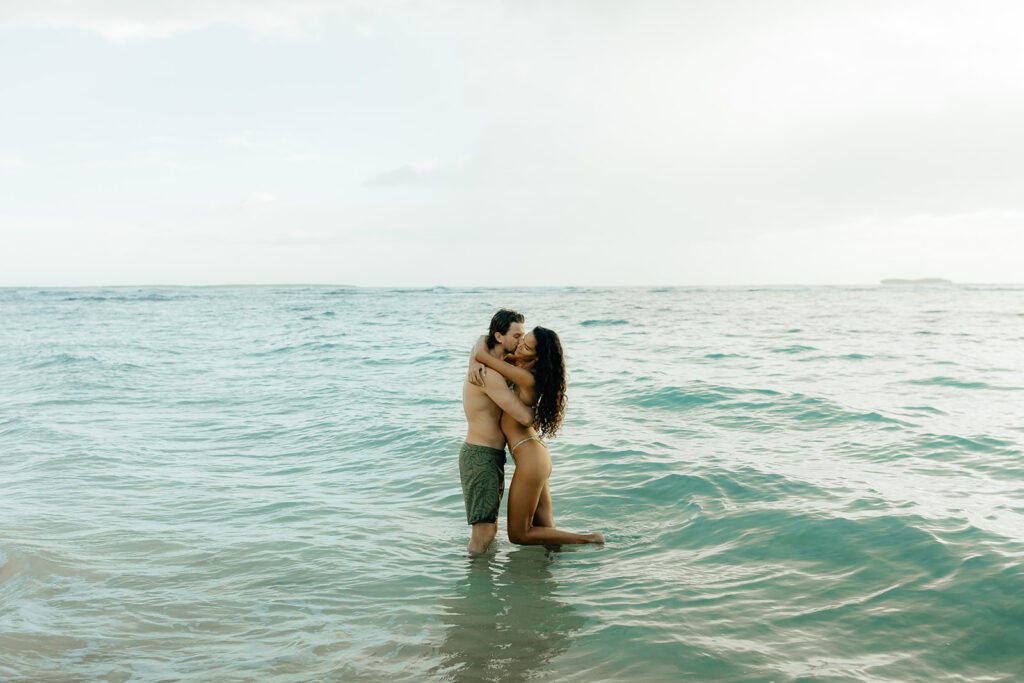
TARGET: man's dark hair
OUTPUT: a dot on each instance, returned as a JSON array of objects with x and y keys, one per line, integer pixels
[{"x": 500, "y": 323}]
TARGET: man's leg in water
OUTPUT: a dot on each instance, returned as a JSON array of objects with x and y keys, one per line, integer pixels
[
  {"x": 483, "y": 534},
  {"x": 482, "y": 470}
]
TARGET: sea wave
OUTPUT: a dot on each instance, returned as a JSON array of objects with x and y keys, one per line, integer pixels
[{"x": 959, "y": 384}]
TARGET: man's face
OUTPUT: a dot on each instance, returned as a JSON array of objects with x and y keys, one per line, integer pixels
[{"x": 510, "y": 340}]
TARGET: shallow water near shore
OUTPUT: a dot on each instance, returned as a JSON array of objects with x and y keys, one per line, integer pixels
[{"x": 815, "y": 483}]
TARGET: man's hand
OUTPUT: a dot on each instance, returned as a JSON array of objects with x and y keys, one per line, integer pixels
[{"x": 476, "y": 374}]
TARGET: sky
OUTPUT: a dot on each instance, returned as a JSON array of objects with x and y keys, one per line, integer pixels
[{"x": 520, "y": 143}]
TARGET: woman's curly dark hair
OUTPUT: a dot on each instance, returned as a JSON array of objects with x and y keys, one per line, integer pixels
[{"x": 549, "y": 382}]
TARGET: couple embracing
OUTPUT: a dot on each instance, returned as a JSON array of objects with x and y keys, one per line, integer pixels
[{"x": 514, "y": 393}]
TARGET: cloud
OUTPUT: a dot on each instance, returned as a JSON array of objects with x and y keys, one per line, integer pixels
[
  {"x": 164, "y": 140},
  {"x": 420, "y": 174},
  {"x": 129, "y": 20},
  {"x": 123, "y": 21},
  {"x": 261, "y": 201},
  {"x": 305, "y": 157},
  {"x": 253, "y": 203},
  {"x": 707, "y": 119},
  {"x": 243, "y": 140},
  {"x": 967, "y": 247}
]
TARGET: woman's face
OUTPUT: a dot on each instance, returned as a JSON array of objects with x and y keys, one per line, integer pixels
[{"x": 527, "y": 349}]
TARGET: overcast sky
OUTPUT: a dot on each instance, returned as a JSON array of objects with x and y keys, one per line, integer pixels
[{"x": 510, "y": 143}]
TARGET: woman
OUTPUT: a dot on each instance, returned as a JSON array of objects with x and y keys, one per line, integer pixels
[{"x": 539, "y": 378}]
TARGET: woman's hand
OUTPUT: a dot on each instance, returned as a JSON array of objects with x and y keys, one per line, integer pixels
[{"x": 476, "y": 375}]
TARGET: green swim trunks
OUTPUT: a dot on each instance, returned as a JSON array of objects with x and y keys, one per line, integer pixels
[{"x": 483, "y": 481}]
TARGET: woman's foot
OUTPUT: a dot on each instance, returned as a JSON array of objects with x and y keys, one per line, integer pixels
[{"x": 596, "y": 537}]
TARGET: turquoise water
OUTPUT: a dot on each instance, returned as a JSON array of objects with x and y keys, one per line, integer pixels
[{"x": 262, "y": 484}]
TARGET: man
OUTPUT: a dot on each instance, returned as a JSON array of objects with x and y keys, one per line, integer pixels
[{"x": 482, "y": 458}]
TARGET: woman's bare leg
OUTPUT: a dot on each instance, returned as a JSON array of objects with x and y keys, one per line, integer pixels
[
  {"x": 544, "y": 516},
  {"x": 524, "y": 495}
]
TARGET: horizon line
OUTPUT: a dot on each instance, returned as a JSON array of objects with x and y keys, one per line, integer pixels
[{"x": 901, "y": 282}]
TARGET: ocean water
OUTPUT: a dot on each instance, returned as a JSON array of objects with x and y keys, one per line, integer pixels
[{"x": 239, "y": 484}]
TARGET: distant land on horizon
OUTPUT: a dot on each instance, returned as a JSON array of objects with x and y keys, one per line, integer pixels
[{"x": 920, "y": 281}]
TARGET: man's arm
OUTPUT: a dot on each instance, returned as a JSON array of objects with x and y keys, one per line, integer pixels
[{"x": 497, "y": 390}]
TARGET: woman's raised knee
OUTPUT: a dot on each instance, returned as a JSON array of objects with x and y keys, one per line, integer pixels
[{"x": 517, "y": 536}]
